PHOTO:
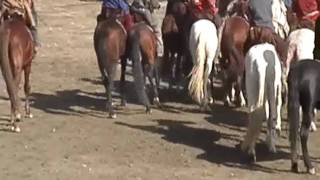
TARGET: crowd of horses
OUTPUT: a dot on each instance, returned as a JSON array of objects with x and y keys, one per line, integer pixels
[{"x": 263, "y": 75}]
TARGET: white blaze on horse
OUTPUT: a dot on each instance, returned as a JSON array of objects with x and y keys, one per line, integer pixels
[
  {"x": 203, "y": 43},
  {"x": 263, "y": 86}
]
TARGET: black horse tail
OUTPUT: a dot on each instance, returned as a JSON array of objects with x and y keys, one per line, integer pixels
[
  {"x": 293, "y": 113},
  {"x": 6, "y": 68},
  {"x": 138, "y": 75}
]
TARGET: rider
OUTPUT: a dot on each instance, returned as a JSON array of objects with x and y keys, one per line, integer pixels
[
  {"x": 137, "y": 6},
  {"x": 109, "y": 5},
  {"x": 26, "y": 9},
  {"x": 260, "y": 16},
  {"x": 307, "y": 9},
  {"x": 140, "y": 7},
  {"x": 204, "y": 9}
]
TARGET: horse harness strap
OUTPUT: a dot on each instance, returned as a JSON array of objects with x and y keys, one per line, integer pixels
[{"x": 121, "y": 25}]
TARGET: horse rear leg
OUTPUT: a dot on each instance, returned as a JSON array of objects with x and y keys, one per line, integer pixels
[
  {"x": 27, "y": 90},
  {"x": 308, "y": 116},
  {"x": 272, "y": 116},
  {"x": 107, "y": 80},
  {"x": 227, "y": 84},
  {"x": 16, "y": 116},
  {"x": 240, "y": 101},
  {"x": 123, "y": 81},
  {"x": 150, "y": 74}
]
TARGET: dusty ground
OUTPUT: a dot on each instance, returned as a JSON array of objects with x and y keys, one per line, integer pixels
[{"x": 71, "y": 138}]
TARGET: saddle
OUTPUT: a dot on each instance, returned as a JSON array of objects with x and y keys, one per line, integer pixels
[
  {"x": 259, "y": 34},
  {"x": 119, "y": 15}
]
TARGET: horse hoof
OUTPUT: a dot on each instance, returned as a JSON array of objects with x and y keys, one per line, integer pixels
[
  {"x": 211, "y": 101},
  {"x": 156, "y": 101},
  {"x": 30, "y": 116},
  {"x": 227, "y": 104},
  {"x": 148, "y": 110},
  {"x": 313, "y": 127},
  {"x": 294, "y": 168},
  {"x": 112, "y": 116},
  {"x": 15, "y": 129},
  {"x": 18, "y": 117},
  {"x": 273, "y": 149},
  {"x": 312, "y": 171},
  {"x": 252, "y": 159}
]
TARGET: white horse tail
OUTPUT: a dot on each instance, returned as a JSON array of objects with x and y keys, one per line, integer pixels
[
  {"x": 203, "y": 44},
  {"x": 196, "y": 83}
]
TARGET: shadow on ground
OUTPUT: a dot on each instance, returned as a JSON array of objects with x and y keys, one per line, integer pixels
[{"x": 181, "y": 132}]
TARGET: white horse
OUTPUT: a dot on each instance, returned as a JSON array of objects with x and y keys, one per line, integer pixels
[
  {"x": 203, "y": 43},
  {"x": 263, "y": 85}
]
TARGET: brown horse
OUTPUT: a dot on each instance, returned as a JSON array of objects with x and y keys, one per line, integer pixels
[
  {"x": 233, "y": 40},
  {"x": 16, "y": 54},
  {"x": 109, "y": 44},
  {"x": 142, "y": 51}
]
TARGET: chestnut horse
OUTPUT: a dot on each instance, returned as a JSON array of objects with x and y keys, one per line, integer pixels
[
  {"x": 16, "y": 55},
  {"x": 109, "y": 44},
  {"x": 233, "y": 41}
]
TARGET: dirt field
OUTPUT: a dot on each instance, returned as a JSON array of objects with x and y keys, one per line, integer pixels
[{"x": 71, "y": 138}]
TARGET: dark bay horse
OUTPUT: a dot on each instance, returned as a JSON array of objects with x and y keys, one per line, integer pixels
[
  {"x": 109, "y": 44},
  {"x": 174, "y": 45},
  {"x": 304, "y": 91},
  {"x": 142, "y": 51},
  {"x": 16, "y": 55}
]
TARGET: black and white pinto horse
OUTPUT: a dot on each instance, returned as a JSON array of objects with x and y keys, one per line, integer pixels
[
  {"x": 263, "y": 86},
  {"x": 304, "y": 91}
]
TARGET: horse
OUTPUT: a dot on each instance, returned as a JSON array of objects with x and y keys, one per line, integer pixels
[
  {"x": 263, "y": 86},
  {"x": 299, "y": 48},
  {"x": 203, "y": 43},
  {"x": 109, "y": 43},
  {"x": 234, "y": 37},
  {"x": 304, "y": 89},
  {"x": 142, "y": 51},
  {"x": 16, "y": 55},
  {"x": 174, "y": 37}
]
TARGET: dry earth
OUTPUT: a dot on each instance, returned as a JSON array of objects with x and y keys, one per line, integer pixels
[{"x": 71, "y": 138}]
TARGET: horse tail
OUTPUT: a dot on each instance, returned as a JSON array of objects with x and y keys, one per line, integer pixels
[
  {"x": 198, "y": 53},
  {"x": 293, "y": 111},
  {"x": 261, "y": 85},
  {"x": 220, "y": 32},
  {"x": 138, "y": 75},
  {"x": 6, "y": 68}
]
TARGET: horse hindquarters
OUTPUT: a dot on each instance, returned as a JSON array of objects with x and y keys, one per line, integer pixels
[
  {"x": 263, "y": 82},
  {"x": 255, "y": 86},
  {"x": 106, "y": 67},
  {"x": 293, "y": 117},
  {"x": 8, "y": 76},
  {"x": 138, "y": 74},
  {"x": 203, "y": 44}
]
